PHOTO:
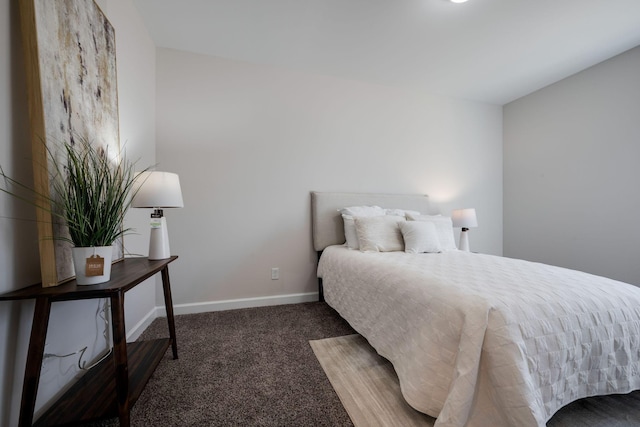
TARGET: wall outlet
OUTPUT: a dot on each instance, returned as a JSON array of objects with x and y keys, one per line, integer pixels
[{"x": 275, "y": 273}]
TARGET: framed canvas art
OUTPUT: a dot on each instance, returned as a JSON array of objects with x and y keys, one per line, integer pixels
[{"x": 70, "y": 59}]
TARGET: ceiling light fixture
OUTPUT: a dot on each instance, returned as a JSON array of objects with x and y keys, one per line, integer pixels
[{"x": 458, "y": 1}]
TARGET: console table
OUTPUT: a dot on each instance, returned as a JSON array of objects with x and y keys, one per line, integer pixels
[{"x": 112, "y": 387}]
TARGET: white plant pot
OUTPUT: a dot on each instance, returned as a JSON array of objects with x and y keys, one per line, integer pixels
[{"x": 80, "y": 256}]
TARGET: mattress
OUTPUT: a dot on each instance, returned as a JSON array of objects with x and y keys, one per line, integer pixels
[{"x": 481, "y": 340}]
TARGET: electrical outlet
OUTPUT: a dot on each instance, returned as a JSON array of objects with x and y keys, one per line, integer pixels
[{"x": 275, "y": 273}]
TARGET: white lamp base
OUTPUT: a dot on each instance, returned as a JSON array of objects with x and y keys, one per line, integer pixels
[
  {"x": 464, "y": 240},
  {"x": 159, "y": 241}
]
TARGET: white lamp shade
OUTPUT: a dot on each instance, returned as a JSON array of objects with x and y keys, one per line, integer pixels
[
  {"x": 157, "y": 190},
  {"x": 465, "y": 218}
]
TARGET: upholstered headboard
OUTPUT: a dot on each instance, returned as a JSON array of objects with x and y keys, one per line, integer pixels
[{"x": 327, "y": 226}]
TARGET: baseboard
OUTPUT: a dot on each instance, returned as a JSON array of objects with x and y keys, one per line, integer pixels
[
  {"x": 139, "y": 327},
  {"x": 232, "y": 304},
  {"x": 205, "y": 307}
]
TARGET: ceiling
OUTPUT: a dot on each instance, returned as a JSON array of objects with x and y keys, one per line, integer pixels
[{"x": 492, "y": 51}]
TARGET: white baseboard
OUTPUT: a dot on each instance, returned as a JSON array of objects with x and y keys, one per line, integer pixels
[
  {"x": 139, "y": 328},
  {"x": 205, "y": 307},
  {"x": 232, "y": 304}
]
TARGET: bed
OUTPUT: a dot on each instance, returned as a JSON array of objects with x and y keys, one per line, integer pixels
[{"x": 475, "y": 339}]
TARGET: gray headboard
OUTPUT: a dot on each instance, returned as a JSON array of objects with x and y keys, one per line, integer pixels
[{"x": 327, "y": 226}]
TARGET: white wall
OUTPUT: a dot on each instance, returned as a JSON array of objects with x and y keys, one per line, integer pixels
[
  {"x": 73, "y": 325},
  {"x": 571, "y": 174},
  {"x": 19, "y": 262},
  {"x": 136, "y": 57},
  {"x": 250, "y": 142}
]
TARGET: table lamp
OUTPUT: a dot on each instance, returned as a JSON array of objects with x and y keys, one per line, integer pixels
[
  {"x": 158, "y": 190},
  {"x": 465, "y": 218}
]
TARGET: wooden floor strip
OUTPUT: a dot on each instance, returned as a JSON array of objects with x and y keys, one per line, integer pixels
[{"x": 366, "y": 383}]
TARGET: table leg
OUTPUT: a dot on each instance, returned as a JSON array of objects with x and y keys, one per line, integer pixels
[
  {"x": 34, "y": 360},
  {"x": 168, "y": 303},
  {"x": 120, "y": 357}
]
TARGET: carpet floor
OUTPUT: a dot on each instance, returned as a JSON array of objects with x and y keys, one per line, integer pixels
[{"x": 249, "y": 367}]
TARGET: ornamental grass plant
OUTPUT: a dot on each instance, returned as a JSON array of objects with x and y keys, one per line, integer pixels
[{"x": 90, "y": 192}]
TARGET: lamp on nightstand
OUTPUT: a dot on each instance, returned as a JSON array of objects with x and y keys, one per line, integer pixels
[
  {"x": 158, "y": 190},
  {"x": 465, "y": 218}
]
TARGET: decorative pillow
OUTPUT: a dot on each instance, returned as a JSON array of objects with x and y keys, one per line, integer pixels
[
  {"x": 350, "y": 232},
  {"x": 400, "y": 212},
  {"x": 349, "y": 226},
  {"x": 420, "y": 237},
  {"x": 362, "y": 211},
  {"x": 444, "y": 229},
  {"x": 379, "y": 233}
]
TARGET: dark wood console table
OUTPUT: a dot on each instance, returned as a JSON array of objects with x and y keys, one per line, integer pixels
[{"x": 111, "y": 388}]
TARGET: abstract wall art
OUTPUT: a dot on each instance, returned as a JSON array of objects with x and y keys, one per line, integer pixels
[{"x": 70, "y": 60}]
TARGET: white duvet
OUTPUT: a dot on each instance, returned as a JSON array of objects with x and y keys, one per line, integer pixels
[{"x": 480, "y": 340}]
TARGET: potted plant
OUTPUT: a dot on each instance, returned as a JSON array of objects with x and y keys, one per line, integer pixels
[{"x": 90, "y": 192}]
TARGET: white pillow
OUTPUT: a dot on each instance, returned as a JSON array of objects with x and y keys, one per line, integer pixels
[
  {"x": 379, "y": 233},
  {"x": 362, "y": 211},
  {"x": 420, "y": 237},
  {"x": 349, "y": 226},
  {"x": 444, "y": 229},
  {"x": 400, "y": 212},
  {"x": 350, "y": 232}
]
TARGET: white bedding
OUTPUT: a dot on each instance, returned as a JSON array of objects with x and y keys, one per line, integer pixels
[{"x": 479, "y": 340}]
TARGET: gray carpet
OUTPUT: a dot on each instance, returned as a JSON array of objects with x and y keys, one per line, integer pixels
[{"x": 250, "y": 367}]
